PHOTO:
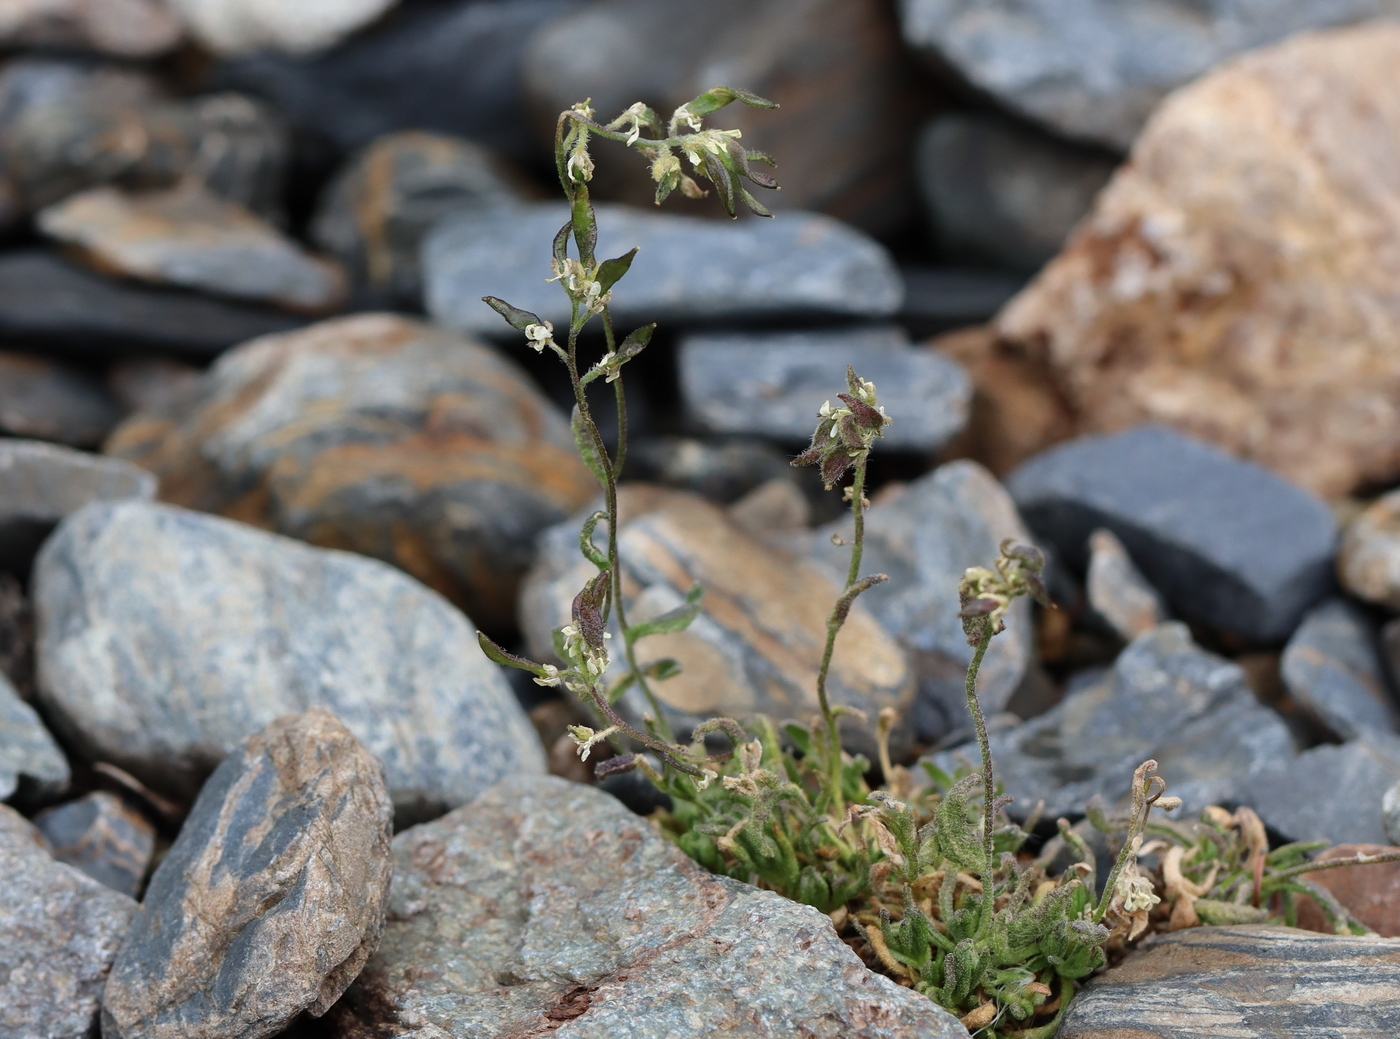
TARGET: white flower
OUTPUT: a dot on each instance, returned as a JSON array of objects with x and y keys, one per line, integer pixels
[
  {"x": 683, "y": 116},
  {"x": 1136, "y": 892},
  {"x": 696, "y": 145},
  {"x": 580, "y": 165},
  {"x": 584, "y": 738},
  {"x": 539, "y": 336},
  {"x": 633, "y": 115},
  {"x": 666, "y": 168}
]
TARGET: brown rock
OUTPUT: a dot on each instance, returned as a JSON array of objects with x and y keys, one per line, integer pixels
[
  {"x": 1368, "y": 558},
  {"x": 122, "y": 28},
  {"x": 46, "y": 400},
  {"x": 103, "y": 837},
  {"x": 380, "y": 435},
  {"x": 1117, "y": 591},
  {"x": 1370, "y": 893},
  {"x": 16, "y": 636},
  {"x": 757, "y": 645},
  {"x": 1236, "y": 278},
  {"x": 271, "y": 899},
  {"x": 191, "y": 238}
]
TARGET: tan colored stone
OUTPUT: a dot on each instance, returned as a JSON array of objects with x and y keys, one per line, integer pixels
[
  {"x": 1368, "y": 558},
  {"x": 1371, "y": 893},
  {"x": 1237, "y": 277}
]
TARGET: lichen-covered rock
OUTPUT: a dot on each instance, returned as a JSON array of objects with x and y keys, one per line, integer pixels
[
  {"x": 1118, "y": 593},
  {"x": 1333, "y": 671},
  {"x": 548, "y": 906},
  {"x": 46, "y": 400},
  {"x": 191, "y": 238},
  {"x": 165, "y": 637},
  {"x": 103, "y": 837},
  {"x": 31, "y": 763},
  {"x": 59, "y": 932},
  {"x": 1212, "y": 283},
  {"x": 270, "y": 900},
  {"x": 122, "y": 28},
  {"x": 1244, "y": 982},
  {"x": 757, "y": 644},
  {"x": 1368, "y": 558},
  {"x": 695, "y": 269},
  {"x": 382, "y": 435}
]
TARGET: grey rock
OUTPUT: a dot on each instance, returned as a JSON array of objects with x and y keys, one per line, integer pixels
[
  {"x": 720, "y": 470},
  {"x": 1368, "y": 558},
  {"x": 1333, "y": 671},
  {"x": 1390, "y": 814},
  {"x": 771, "y": 384},
  {"x": 374, "y": 215},
  {"x": 467, "y": 62},
  {"x": 103, "y": 837},
  {"x": 59, "y": 932},
  {"x": 1095, "y": 69},
  {"x": 939, "y": 299},
  {"x": 42, "y": 483},
  {"x": 153, "y": 384},
  {"x": 233, "y": 27},
  {"x": 924, "y": 536},
  {"x": 165, "y": 637},
  {"x": 1252, "y": 982},
  {"x": 45, "y": 400},
  {"x": 45, "y": 299},
  {"x": 1164, "y": 699},
  {"x": 695, "y": 269},
  {"x": 271, "y": 899},
  {"x": 16, "y": 636},
  {"x": 548, "y": 905},
  {"x": 382, "y": 435},
  {"x": 1329, "y": 792},
  {"x": 1226, "y": 542},
  {"x": 122, "y": 28},
  {"x": 1002, "y": 191},
  {"x": 31, "y": 763},
  {"x": 188, "y": 237},
  {"x": 1118, "y": 593}
]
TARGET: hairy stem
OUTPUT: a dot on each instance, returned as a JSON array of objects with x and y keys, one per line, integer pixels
[{"x": 974, "y": 707}]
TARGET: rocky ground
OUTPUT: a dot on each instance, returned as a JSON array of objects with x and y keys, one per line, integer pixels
[{"x": 1125, "y": 275}]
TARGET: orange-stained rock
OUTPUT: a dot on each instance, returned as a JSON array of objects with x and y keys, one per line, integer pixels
[
  {"x": 1371, "y": 893},
  {"x": 1237, "y": 277},
  {"x": 381, "y": 435}
]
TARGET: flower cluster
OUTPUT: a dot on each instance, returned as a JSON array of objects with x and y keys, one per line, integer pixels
[
  {"x": 986, "y": 594},
  {"x": 845, "y": 434},
  {"x": 582, "y": 284}
]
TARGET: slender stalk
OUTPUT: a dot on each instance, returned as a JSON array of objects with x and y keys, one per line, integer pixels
[
  {"x": 974, "y": 707},
  {"x": 1309, "y": 867}
]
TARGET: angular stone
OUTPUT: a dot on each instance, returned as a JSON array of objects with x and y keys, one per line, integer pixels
[
  {"x": 42, "y": 483},
  {"x": 46, "y": 299},
  {"x": 1097, "y": 69},
  {"x": 937, "y": 299},
  {"x": 850, "y": 103},
  {"x": 166, "y": 637},
  {"x": 59, "y": 932},
  {"x": 1228, "y": 544},
  {"x": 1164, "y": 699},
  {"x": 1118, "y": 593},
  {"x": 771, "y": 384},
  {"x": 102, "y": 837},
  {"x": 1002, "y": 191},
  {"x": 720, "y": 470},
  {"x": 45, "y": 400},
  {"x": 467, "y": 61},
  {"x": 236, "y": 27},
  {"x": 695, "y": 269},
  {"x": 31, "y": 763},
  {"x": 271, "y": 899},
  {"x": 188, "y": 237},
  {"x": 382, "y": 435},
  {"x": 374, "y": 215},
  {"x": 1371, "y": 893},
  {"x": 1334, "y": 672},
  {"x": 1329, "y": 792},
  {"x": 122, "y": 28},
  {"x": 1253, "y": 982},
  {"x": 757, "y": 644},
  {"x": 924, "y": 535},
  {"x": 1368, "y": 558},
  {"x": 548, "y": 905},
  {"x": 1207, "y": 286}
]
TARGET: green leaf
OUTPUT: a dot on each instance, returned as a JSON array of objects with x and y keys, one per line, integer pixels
[
  {"x": 718, "y": 97},
  {"x": 586, "y": 448},
  {"x": 718, "y": 175},
  {"x": 507, "y": 659},
  {"x": 801, "y": 738},
  {"x": 585, "y": 541},
  {"x": 754, "y": 206},
  {"x": 585, "y": 226},
  {"x": 662, "y": 669},
  {"x": 636, "y": 341},
  {"x": 621, "y": 686},
  {"x": 610, "y": 272},
  {"x": 561, "y": 244},
  {"x": 672, "y": 620},
  {"x": 518, "y": 319}
]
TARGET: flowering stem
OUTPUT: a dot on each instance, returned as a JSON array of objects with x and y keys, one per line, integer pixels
[{"x": 974, "y": 707}]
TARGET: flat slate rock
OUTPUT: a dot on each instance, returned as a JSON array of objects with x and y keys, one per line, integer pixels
[
  {"x": 771, "y": 384},
  {"x": 924, "y": 535},
  {"x": 41, "y": 483},
  {"x": 1164, "y": 698},
  {"x": 1252, "y": 982},
  {"x": 188, "y": 237},
  {"x": 1328, "y": 792},
  {"x": 45, "y": 400},
  {"x": 272, "y": 897},
  {"x": 1118, "y": 594},
  {"x": 165, "y": 637},
  {"x": 47, "y": 299},
  {"x": 1332, "y": 668},
  {"x": 1226, "y": 542},
  {"x": 101, "y": 835},
  {"x": 59, "y": 932},
  {"x": 688, "y": 268},
  {"x": 31, "y": 764},
  {"x": 547, "y": 908}
]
